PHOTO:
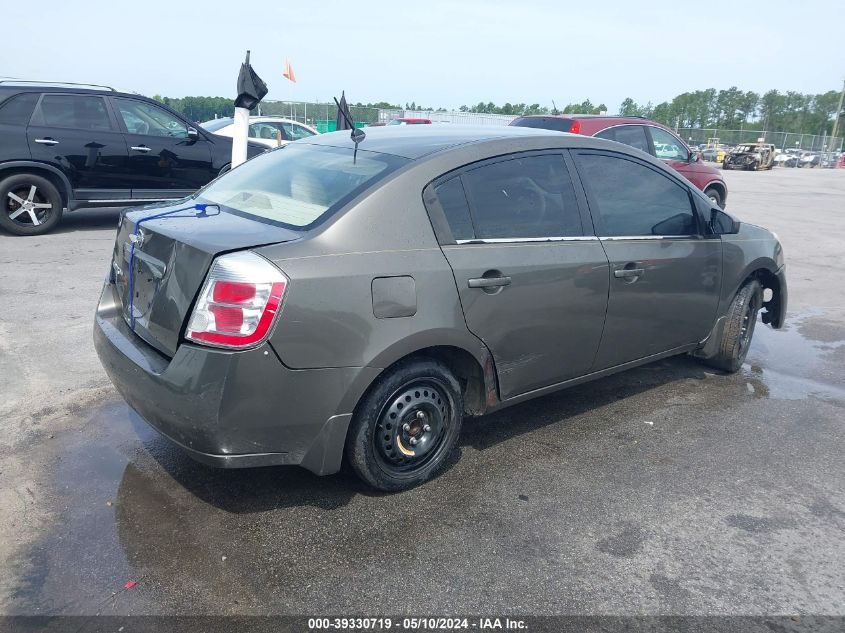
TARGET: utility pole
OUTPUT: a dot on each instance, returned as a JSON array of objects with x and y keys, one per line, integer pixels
[{"x": 838, "y": 114}]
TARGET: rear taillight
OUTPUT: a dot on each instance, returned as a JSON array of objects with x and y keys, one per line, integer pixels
[
  {"x": 576, "y": 127},
  {"x": 238, "y": 303}
]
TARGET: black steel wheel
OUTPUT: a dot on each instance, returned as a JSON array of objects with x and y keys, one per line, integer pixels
[
  {"x": 29, "y": 204},
  {"x": 407, "y": 426}
]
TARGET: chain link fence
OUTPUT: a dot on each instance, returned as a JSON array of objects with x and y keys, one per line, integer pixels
[{"x": 781, "y": 140}]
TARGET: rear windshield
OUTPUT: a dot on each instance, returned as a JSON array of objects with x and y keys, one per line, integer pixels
[
  {"x": 298, "y": 186},
  {"x": 544, "y": 122},
  {"x": 216, "y": 124}
]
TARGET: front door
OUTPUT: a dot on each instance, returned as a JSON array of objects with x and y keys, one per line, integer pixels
[
  {"x": 76, "y": 133},
  {"x": 532, "y": 282},
  {"x": 665, "y": 274},
  {"x": 165, "y": 161}
]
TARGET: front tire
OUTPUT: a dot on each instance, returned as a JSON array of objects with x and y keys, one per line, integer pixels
[
  {"x": 407, "y": 427},
  {"x": 739, "y": 328},
  {"x": 29, "y": 204},
  {"x": 716, "y": 196}
]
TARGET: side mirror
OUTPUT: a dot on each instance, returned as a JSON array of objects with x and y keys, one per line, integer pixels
[
  {"x": 193, "y": 134},
  {"x": 722, "y": 223},
  {"x": 694, "y": 156}
]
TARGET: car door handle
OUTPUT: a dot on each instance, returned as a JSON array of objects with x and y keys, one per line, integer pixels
[
  {"x": 47, "y": 141},
  {"x": 488, "y": 282},
  {"x": 628, "y": 273},
  {"x": 141, "y": 148}
]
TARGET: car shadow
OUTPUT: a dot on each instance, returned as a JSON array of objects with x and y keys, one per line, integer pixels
[
  {"x": 87, "y": 220},
  {"x": 564, "y": 406},
  {"x": 263, "y": 489}
]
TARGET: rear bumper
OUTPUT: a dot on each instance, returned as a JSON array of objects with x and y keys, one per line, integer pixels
[{"x": 231, "y": 409}]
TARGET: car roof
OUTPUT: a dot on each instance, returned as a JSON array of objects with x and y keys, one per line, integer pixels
[
  {"x": 416, "y": 141},
  {"x": 12, "y": 86}
]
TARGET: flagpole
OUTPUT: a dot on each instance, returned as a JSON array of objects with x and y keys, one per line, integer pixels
[{"x": 240, "y": 132}]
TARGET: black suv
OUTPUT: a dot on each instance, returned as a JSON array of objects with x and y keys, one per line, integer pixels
[{"x": 63, "y": 146}]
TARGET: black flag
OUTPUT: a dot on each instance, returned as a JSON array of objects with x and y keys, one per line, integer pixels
[
  {"x": 344, "y": 117},
  {"x": 251, "y": 88}
]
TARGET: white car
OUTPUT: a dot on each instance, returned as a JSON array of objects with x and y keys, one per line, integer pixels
[{"x": 263, "y": 129}]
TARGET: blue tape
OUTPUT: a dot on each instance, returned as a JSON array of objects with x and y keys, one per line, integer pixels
[{"x": 202, "y": 212}]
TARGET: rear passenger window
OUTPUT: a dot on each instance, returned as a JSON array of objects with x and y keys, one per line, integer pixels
[
  {"x": 633, "y": 135},
  {"x": 18, "y": 109},
  {"x": 523, "y": 198},
  {"x": 636, "y": 200},
  {"x": 75, "y": 111},
  {"x": 454, "y": 204}
]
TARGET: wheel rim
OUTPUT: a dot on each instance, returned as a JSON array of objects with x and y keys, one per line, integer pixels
[
  {"x": 412, "y": 427},
  {"x": 714, "y": 199},
  {"x": 27, "y": 206}
]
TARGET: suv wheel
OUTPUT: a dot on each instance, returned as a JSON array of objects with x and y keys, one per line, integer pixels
[
  {"x": 739, "y": 328},
  {"x": 407, "y": 426},
  {"x": 29, "y": 204},
  {"x": 715, "y": 196}
]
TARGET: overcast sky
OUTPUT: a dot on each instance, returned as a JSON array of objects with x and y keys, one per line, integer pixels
[{"x": 433, "y": 52}]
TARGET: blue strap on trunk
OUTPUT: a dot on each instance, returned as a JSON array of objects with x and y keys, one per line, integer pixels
[{"x": 201, "y": 213}]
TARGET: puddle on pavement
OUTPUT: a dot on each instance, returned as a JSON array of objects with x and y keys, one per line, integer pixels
[
  {"x": 803, "y": 359},
  {"x": 130, "y": 506}
]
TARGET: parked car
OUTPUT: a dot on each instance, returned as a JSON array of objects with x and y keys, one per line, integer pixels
[
  {"x": 810, "y": 159},
  {"x": 750, "y": 156},
  {"x": 264, "y": 129},
  {"x": 788, "y": 158},
  {"x": 409, "y": 121},
  {"x": 69, "y": 146},
  {"x": 322, "y": 302},
  {"x": 645, "y": 135},
  {"x": 713, "y": 154}
]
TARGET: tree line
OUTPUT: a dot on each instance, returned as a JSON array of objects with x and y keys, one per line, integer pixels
[{"x": 726, "y": 109}]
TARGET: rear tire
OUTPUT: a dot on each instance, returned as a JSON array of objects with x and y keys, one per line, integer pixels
[
  {"x": 716, "y": 196},
  {"x": 407, "y": 427},
  {"x": 29, "y": 204},
  {"x": 739, "y": 328}
]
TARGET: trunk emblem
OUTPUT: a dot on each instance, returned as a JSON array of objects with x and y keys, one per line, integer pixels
[{"x": 137, "y": 239}]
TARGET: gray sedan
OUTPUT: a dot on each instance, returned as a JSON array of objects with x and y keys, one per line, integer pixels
[{"x": 335, "y": 301}]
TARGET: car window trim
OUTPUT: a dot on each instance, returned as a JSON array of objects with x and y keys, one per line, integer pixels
[
  {"x": 509, "y": 240},
  {"x": 37, "y": 119},
  {"x": 441, "y": 225},
  {"x": 593, "y": 204}
]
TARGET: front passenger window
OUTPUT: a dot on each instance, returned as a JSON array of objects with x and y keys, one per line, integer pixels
[
  {"x": 635, "y": 200},
  {"x": 150, "y": 120},
  {"x": 667, "y": 147}
]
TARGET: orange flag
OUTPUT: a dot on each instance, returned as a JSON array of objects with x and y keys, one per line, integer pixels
[{"x": 289, "y": 74}]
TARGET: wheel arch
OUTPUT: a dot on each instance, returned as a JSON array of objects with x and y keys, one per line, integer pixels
[
  {"x": 774, "y": 306},
  {"x": 54, "y": 175},
  {"x": 477, "y": 376}
]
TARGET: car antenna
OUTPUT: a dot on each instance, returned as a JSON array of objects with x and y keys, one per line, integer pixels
[
  {"x": 555, "y": 111},
  {"x": 357, "y": 135}
]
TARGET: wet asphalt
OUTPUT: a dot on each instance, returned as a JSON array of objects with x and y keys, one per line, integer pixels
[{"x": 669, "y": 489}]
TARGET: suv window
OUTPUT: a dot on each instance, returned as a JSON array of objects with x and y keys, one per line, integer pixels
[
  {"x": 82, "y": 112},
  {"x": 633, "y": 135},
  {"x": 18, "y": 109},
  {"x": 544, "y": 122},
  {"x": 145, "y": 118},
  {"x": 636, "y": 200},
  {"x": 453, "y": 201},
  {"x": 266, "y": 131},
  {"x": 666, "y": 146},
  {"x": 295, "y": 132},
  {"x": 531, "y": 196}
]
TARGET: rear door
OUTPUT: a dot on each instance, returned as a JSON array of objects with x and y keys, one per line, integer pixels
[
  {"x": 532, "y": 282},
  {"x": 165, "y": 162},
  {"x": 665, "y": 274},
  {"x": 78, "y": 134}
]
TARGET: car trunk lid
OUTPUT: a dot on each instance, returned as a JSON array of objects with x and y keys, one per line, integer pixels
[{"x": 171, "y": 261}]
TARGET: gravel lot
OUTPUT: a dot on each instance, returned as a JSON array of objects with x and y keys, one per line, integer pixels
[{"x": 664, "y": 490}]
